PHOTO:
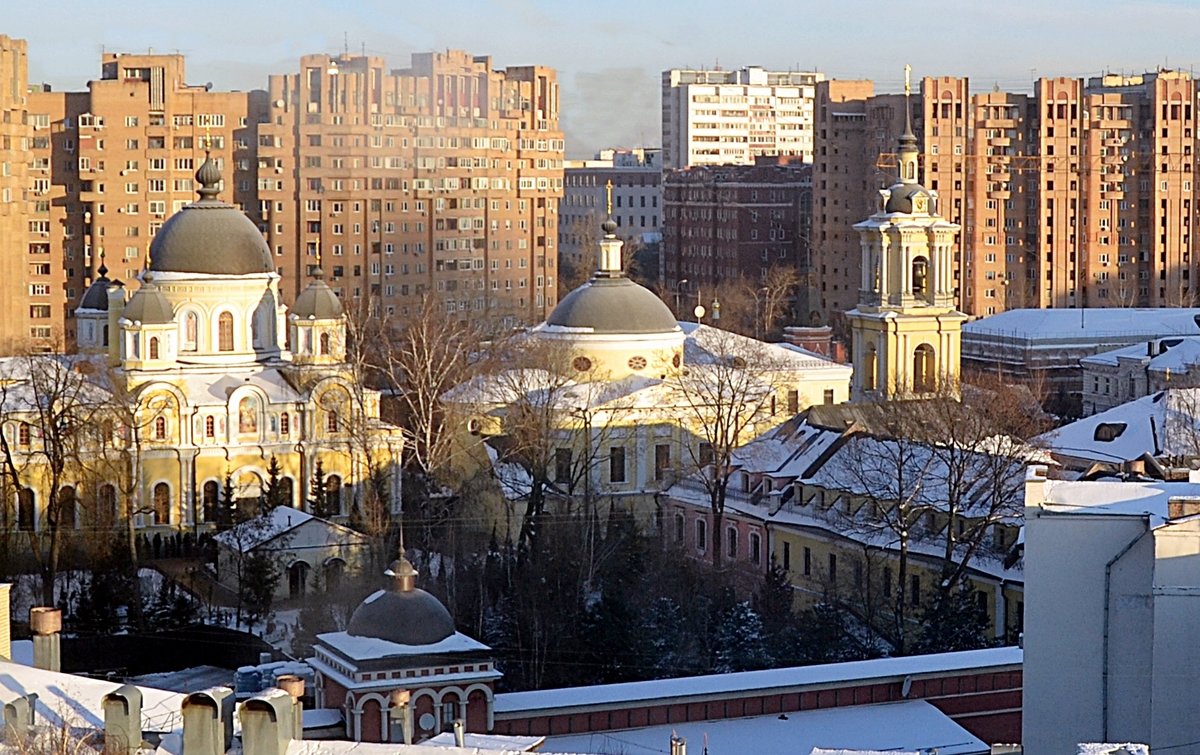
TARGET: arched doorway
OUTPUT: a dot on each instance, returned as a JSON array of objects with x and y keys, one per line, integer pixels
[{"x": 297, "y": 578}]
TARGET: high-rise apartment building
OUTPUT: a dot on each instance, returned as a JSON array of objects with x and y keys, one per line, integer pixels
[
  {"x": 439, "y": 180},
  {"x": 110, "y": 164},
  {"x": 1079, "y": 194},
  {"x": 17, "y": 263},
  {"x": 733, "y": 117}
]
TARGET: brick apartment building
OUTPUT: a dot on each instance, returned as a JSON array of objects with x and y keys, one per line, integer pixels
[
  {"x": 442, "y": 179},
  {"x": 1077, "y": 195},
  {"x": 722, "y": 224}
]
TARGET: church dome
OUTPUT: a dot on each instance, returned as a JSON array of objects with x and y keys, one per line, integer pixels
[
  {"x": 148, "y": 306},
  {"x": 901, "y": 198},
  {"x": 96, "y": 296},
  {"x": 613, "y": 305},
  {"x": 210, "y": 236},
  {"x": 317, "y": 301},
  {"x": 402, "y": 613}
]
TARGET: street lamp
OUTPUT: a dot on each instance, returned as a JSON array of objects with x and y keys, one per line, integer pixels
[{"x": 678, "y": 289}]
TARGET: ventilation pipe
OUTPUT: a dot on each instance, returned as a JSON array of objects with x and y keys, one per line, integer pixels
[
  {"x": 123, "y": 721},
  {"x": 46, "y": 625},
  {"x": 208, "y": 722}
]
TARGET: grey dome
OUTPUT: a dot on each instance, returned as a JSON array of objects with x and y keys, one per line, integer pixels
[
  {"x": 210, "y": 237},
  {"x": 148, "y": 306},
  {"x": 900, "y": 197},
  {"x": 317, "y": 302},
  {"x": 402, "y": 613},
  {"x": 613, "y": 305},
  {"x": 96, "y": 296}
]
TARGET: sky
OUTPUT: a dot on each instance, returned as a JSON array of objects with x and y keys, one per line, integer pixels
[{"x": 610, "y": 53}]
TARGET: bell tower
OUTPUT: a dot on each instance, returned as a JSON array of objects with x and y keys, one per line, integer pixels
[{"x": 906, "y": 332}]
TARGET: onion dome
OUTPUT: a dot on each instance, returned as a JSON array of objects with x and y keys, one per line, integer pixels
[
  {"x": 610, "y": 302},
  {"x": 148, "y": 305},
  {"x": 96, "y": 296},
  {"x": 209, "y": 236},
  {"x": 317, "y": 301},
  {"x": 402, "y": 613}
]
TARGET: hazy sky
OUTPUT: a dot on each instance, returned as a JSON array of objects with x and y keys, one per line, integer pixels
[{"x": 610, "y": 53}]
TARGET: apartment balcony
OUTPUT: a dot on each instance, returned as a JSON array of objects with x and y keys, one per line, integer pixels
[
  {"x": 1000, "y": 141},
  {"x": 999, "y": 194}
]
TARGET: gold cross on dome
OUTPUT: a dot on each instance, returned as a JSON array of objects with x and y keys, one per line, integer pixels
[
  {"x": 207, "y": 136},
  {"x": 608, "y": 194},
  {"x": 907, "y": 79}
]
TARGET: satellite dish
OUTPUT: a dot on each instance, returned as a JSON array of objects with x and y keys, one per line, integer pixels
[
  {"x": 699, "y": 311},
  {"x": 208, "y": 86}
]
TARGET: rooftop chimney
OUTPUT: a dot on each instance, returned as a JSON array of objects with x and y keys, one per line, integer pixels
[
  {"x": 46, "y": 624},
  {"x": 208, "y": 722},
  {"x": 18, "y": 718},
  {"x": 460, "y": 733},
  {"x": 267, "y": 723},
  {"x": 5, "y": 621},
  {"x": 1181, "y": 506},
  {"x": 123, "y": 721},
  {"x": 294, "y": 686},
  {"x": 678, "y": 745}
]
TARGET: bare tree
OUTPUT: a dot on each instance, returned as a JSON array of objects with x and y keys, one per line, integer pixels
[
  {"x": 728, "y": 393},
  {"x": 49, "y": 406}
]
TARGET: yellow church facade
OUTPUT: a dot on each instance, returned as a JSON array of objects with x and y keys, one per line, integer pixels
[
  {"x": 199, "y": 379},
  {"x": 906, "y": 333}
]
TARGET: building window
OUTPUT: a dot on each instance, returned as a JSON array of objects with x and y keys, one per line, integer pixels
[
  {"x": 787, "y": 556},
  {"x": 755, "y": 548},
  {"x": 25, "y": 510},
  {"x": 870, "y": 368},
  {"x": 679, "y": 525},
  {"x": 153, "y": 348},
  {"x": 285, "y": 423},
  {"x": 616, "y": 464},
  {"x": 323, "y": 344},
  {"x": 331, "y": 422},
  {"x": 701, "y": 535},
  {"x": 793, "y": 401},
  {"x": 24, "y": 432},
  {"x": 731, "y": 543},
  {"x": 208, "y": 510},
  {"x": 914, "y": 590},
  {"x": 562, "y": 465},
  {"x": 189, "y": 331},
  {"x": 807, "y": 561},
  {"x": 833, "y": 567},
  {"x": 225, "y": 332},
  {"x": 162, "y": 503},
  {"x": 662, "y": 461},
  {"x": 210, "y": 427},
  {"x": 160, "y": 428}
]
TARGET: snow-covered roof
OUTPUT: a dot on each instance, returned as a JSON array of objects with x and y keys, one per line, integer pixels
[
  {"x": 1174, "y": 355},
  {"x": 489, "y": 742},
  {"x": 1088, "y": 324},
  {"x": 1115, "y": 497},
  {"x": 744, "y": 682},
  {"x": 371, "y": 648},
  {"x": 254, "y": 532},
  {"x": 909, "y": 726},
  {"x": 704, "y": 344},
  {"x": 343, "y": 747},
  {"x": 78, "y": 701},
  {"x": 1163, "y": 424}
]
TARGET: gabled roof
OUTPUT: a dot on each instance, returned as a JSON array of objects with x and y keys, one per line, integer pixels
[
  {"x": 275, "y": 523},
  {"x": 1163, "y": 424}
]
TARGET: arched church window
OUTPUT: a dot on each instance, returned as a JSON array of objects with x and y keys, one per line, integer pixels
[
  {"x": 331, "y": 422},
  {"x": 285, "y": 424},
  {"x": 324, "y": 344},
  {"x": 154, "y": 348},
  {"x": 924, "y": 379},
  {"x": 870, "y": 368},
  {"x": 162, "y": 503},
  {"x": 25, "y": 510},
  {"x": 225, "y": 332},
  {"x": 190, "y": 328},
  {"x": 209, "y": 501},
  {"x": 248, "y": 416},
  {"x": 68, "y": 508},
  {"x": 920, "y": 276},
  {"x": 160, "y": 428}
]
